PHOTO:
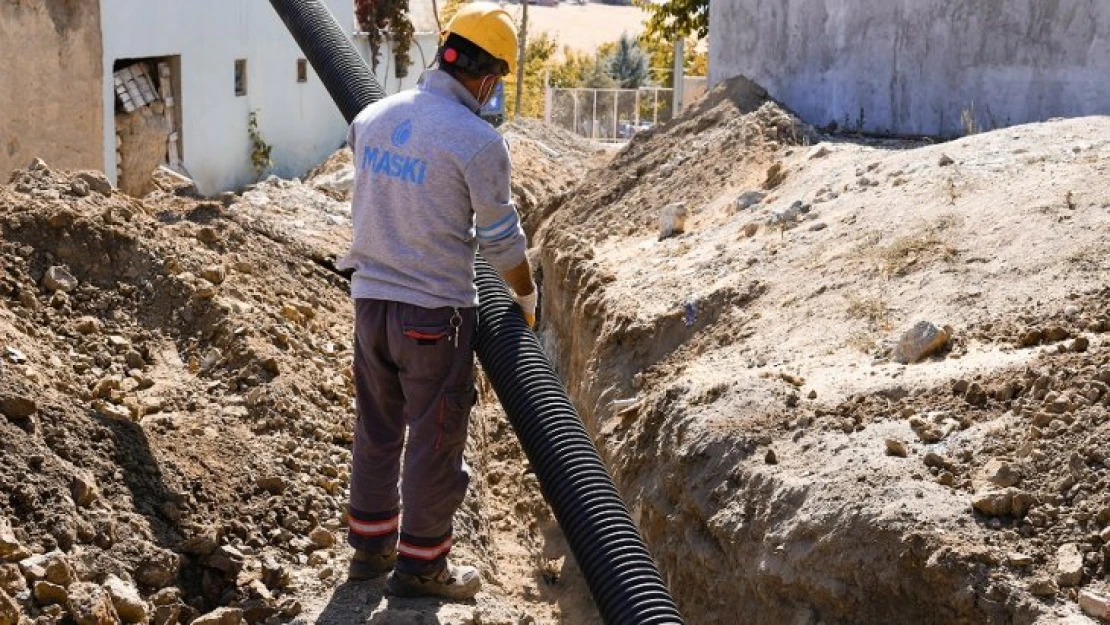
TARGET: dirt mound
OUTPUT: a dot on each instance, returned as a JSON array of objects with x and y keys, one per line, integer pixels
[
  {"x": 739, "y": 375},
  {"x": 725, "y": 141},
  {"x": 176, "y": 413},
  {"x": 547, "y": 162},
  {"x": 335, "y": 176}
]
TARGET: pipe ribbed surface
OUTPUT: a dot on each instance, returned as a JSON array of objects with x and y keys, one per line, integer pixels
[
  {"x": 621, "y": 574},
  {"x": 326, "y": 46},
  {"x": 623, "y": 579}
]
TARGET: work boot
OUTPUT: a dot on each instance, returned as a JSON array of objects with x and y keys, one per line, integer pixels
[
  {"x": 366, "y": 565},
  {"x": 450, "y": 582}
]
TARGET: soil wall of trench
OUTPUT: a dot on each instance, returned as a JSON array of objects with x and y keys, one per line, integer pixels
[
  {"x": 738, "y": 539},
  {"x": 764, "y": 502}
]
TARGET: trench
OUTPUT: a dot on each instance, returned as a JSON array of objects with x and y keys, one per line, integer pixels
[{"x": 737, "y": 539}]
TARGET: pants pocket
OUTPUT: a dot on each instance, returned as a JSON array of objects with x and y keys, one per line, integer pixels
[{"x": 454, "y": 416}]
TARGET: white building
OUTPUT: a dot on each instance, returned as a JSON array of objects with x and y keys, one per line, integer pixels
[{"x": 210, "y": 64}]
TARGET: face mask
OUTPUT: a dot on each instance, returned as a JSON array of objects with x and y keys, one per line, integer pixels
[{"x": 482, "y": 89}]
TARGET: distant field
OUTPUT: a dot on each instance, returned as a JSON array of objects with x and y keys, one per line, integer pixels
[{"x": 582, "y": 27}]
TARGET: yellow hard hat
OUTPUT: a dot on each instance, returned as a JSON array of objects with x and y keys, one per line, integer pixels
[{"x": 488, "y": 26}]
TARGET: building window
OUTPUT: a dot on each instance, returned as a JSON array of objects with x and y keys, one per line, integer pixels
[
  {"x": 241, "y": 77},
  {"x": 302, "y": 70}
]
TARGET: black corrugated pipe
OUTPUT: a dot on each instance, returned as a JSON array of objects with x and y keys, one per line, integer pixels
[{"x": 620, "y": 572}]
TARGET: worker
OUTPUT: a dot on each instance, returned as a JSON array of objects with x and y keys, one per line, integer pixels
[{"x": 431, "y": 188}]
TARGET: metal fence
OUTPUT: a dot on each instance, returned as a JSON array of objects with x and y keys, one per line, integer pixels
[{"x": 608, "y": 114}]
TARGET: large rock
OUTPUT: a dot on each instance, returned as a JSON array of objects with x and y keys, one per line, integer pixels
[
  {"x": 993, "y": 503},
  {"x": 129, "y": 605},
  {"x": 1095, "y": 604},
  {"x": 9, "y": 609},
  {"x": 11, "y": 549},
  {"x": 90, "y": 604},
  {"x": 672, "y": 220},
  {"x": 51, "y": 567},
  {"x": 50, "y": 594},
  {"x": 11, "y": 580},
  {"x": 227, "y": 559},
  {"x": 17, "y": 407},
  {"x": 158, "y": 569},
  {"x": 142, "y": 150},
  {"x": 59, "y": 278},
  {"x": 96, "y": 181},
  {"x": 1069, "y": 565},
  {"x": 920, "y": 342},
  {"x": 221, "y": 616},
  {"x": 999, "y": 473},
  {"x": 58, "y": 569},
  {"x": 322, "y": 538},
  {"x": 83, "y": 488}
]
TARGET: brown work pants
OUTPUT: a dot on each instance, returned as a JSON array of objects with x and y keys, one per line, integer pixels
[{"x": 414, "y": 369}]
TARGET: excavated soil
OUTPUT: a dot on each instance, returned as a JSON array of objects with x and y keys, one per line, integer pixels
[
  {"x": 177, "y": 410},
  {"x": 741, "y": 377}
]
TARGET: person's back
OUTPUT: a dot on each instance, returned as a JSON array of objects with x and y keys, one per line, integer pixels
[
  {"x": 427, "y": 166},
  {"x": 431, "y": 187}
]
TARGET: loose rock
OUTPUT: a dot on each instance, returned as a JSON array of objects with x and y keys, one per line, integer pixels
[
  {"x": 59, "y": 279},
  {"x": 1069, "y": 565},
  {"x": 83, "y": 488},
  {"x": 125, "y": 597},
  {"x": 1095, "y": 604},
  {"x": 322, "y": 538},
  {"x": 221, "y": 616},
  {"x": 17, "y": 407},
  {"x": 920, "y": 342},
  {"x": 993, "y": 503},
  {"x": 999, "y": 473},
  {"x": 672, "y": 220},
  {"x": 96, "y": 181},
  {"x": 9, "y": 609},
  {"x": 895, "y": 447},
  {"x": 748, "y": 199},
  {"x": 274, "y": 484},
  {"x": 50, "y": 594},
  {"x": 90, "y": 604},
  {"x": 159, "y": 568},
  {"x": 1042, "y": 587},
  {"x": 88, "y": 325}
]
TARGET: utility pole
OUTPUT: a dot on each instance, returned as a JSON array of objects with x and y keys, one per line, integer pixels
[
  {"x": 520, "y": 60},
  {"x": 679, "y": 76}
]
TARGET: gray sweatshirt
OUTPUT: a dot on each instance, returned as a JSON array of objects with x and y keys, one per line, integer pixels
[{"x": 431, "y": 187}]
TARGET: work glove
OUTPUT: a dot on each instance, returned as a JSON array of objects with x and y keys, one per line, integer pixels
[{"x": 527, "y": 305}]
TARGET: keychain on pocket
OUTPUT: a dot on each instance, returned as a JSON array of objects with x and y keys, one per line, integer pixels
[{"x": 456, "y": 322}]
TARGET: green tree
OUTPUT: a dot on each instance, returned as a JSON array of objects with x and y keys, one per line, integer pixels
[
  {"x": 660, "y": 53},
  {"x": 538, "y": 54},
  {"x": 673, "y": 19},
  {"x": 571, "y": 70},
  {"x": 628, "y": 64},
  {"x": 597, "y": 76}
]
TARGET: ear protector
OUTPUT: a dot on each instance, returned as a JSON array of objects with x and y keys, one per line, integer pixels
[{"x": 463, "y": 54}]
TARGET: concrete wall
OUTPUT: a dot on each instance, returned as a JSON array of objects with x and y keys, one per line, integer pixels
[
  {"x": 298, "y": 119},
  {"x": 914, "y": 66},
  {"x": 422, "y": 53},
  {"x": 50, "y": 84}
]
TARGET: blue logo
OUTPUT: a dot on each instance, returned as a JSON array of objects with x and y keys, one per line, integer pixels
[
  {"x": 382, "y": 162},
  {"x": 402, "y": 134}
]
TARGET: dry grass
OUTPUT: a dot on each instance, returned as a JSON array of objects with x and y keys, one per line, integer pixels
[
  {"x": 877, "y": 315},
  {"x": 775, "y": 175},
  {"x": 873, "y": 310},
  {"x": 906, "y": 254}
]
